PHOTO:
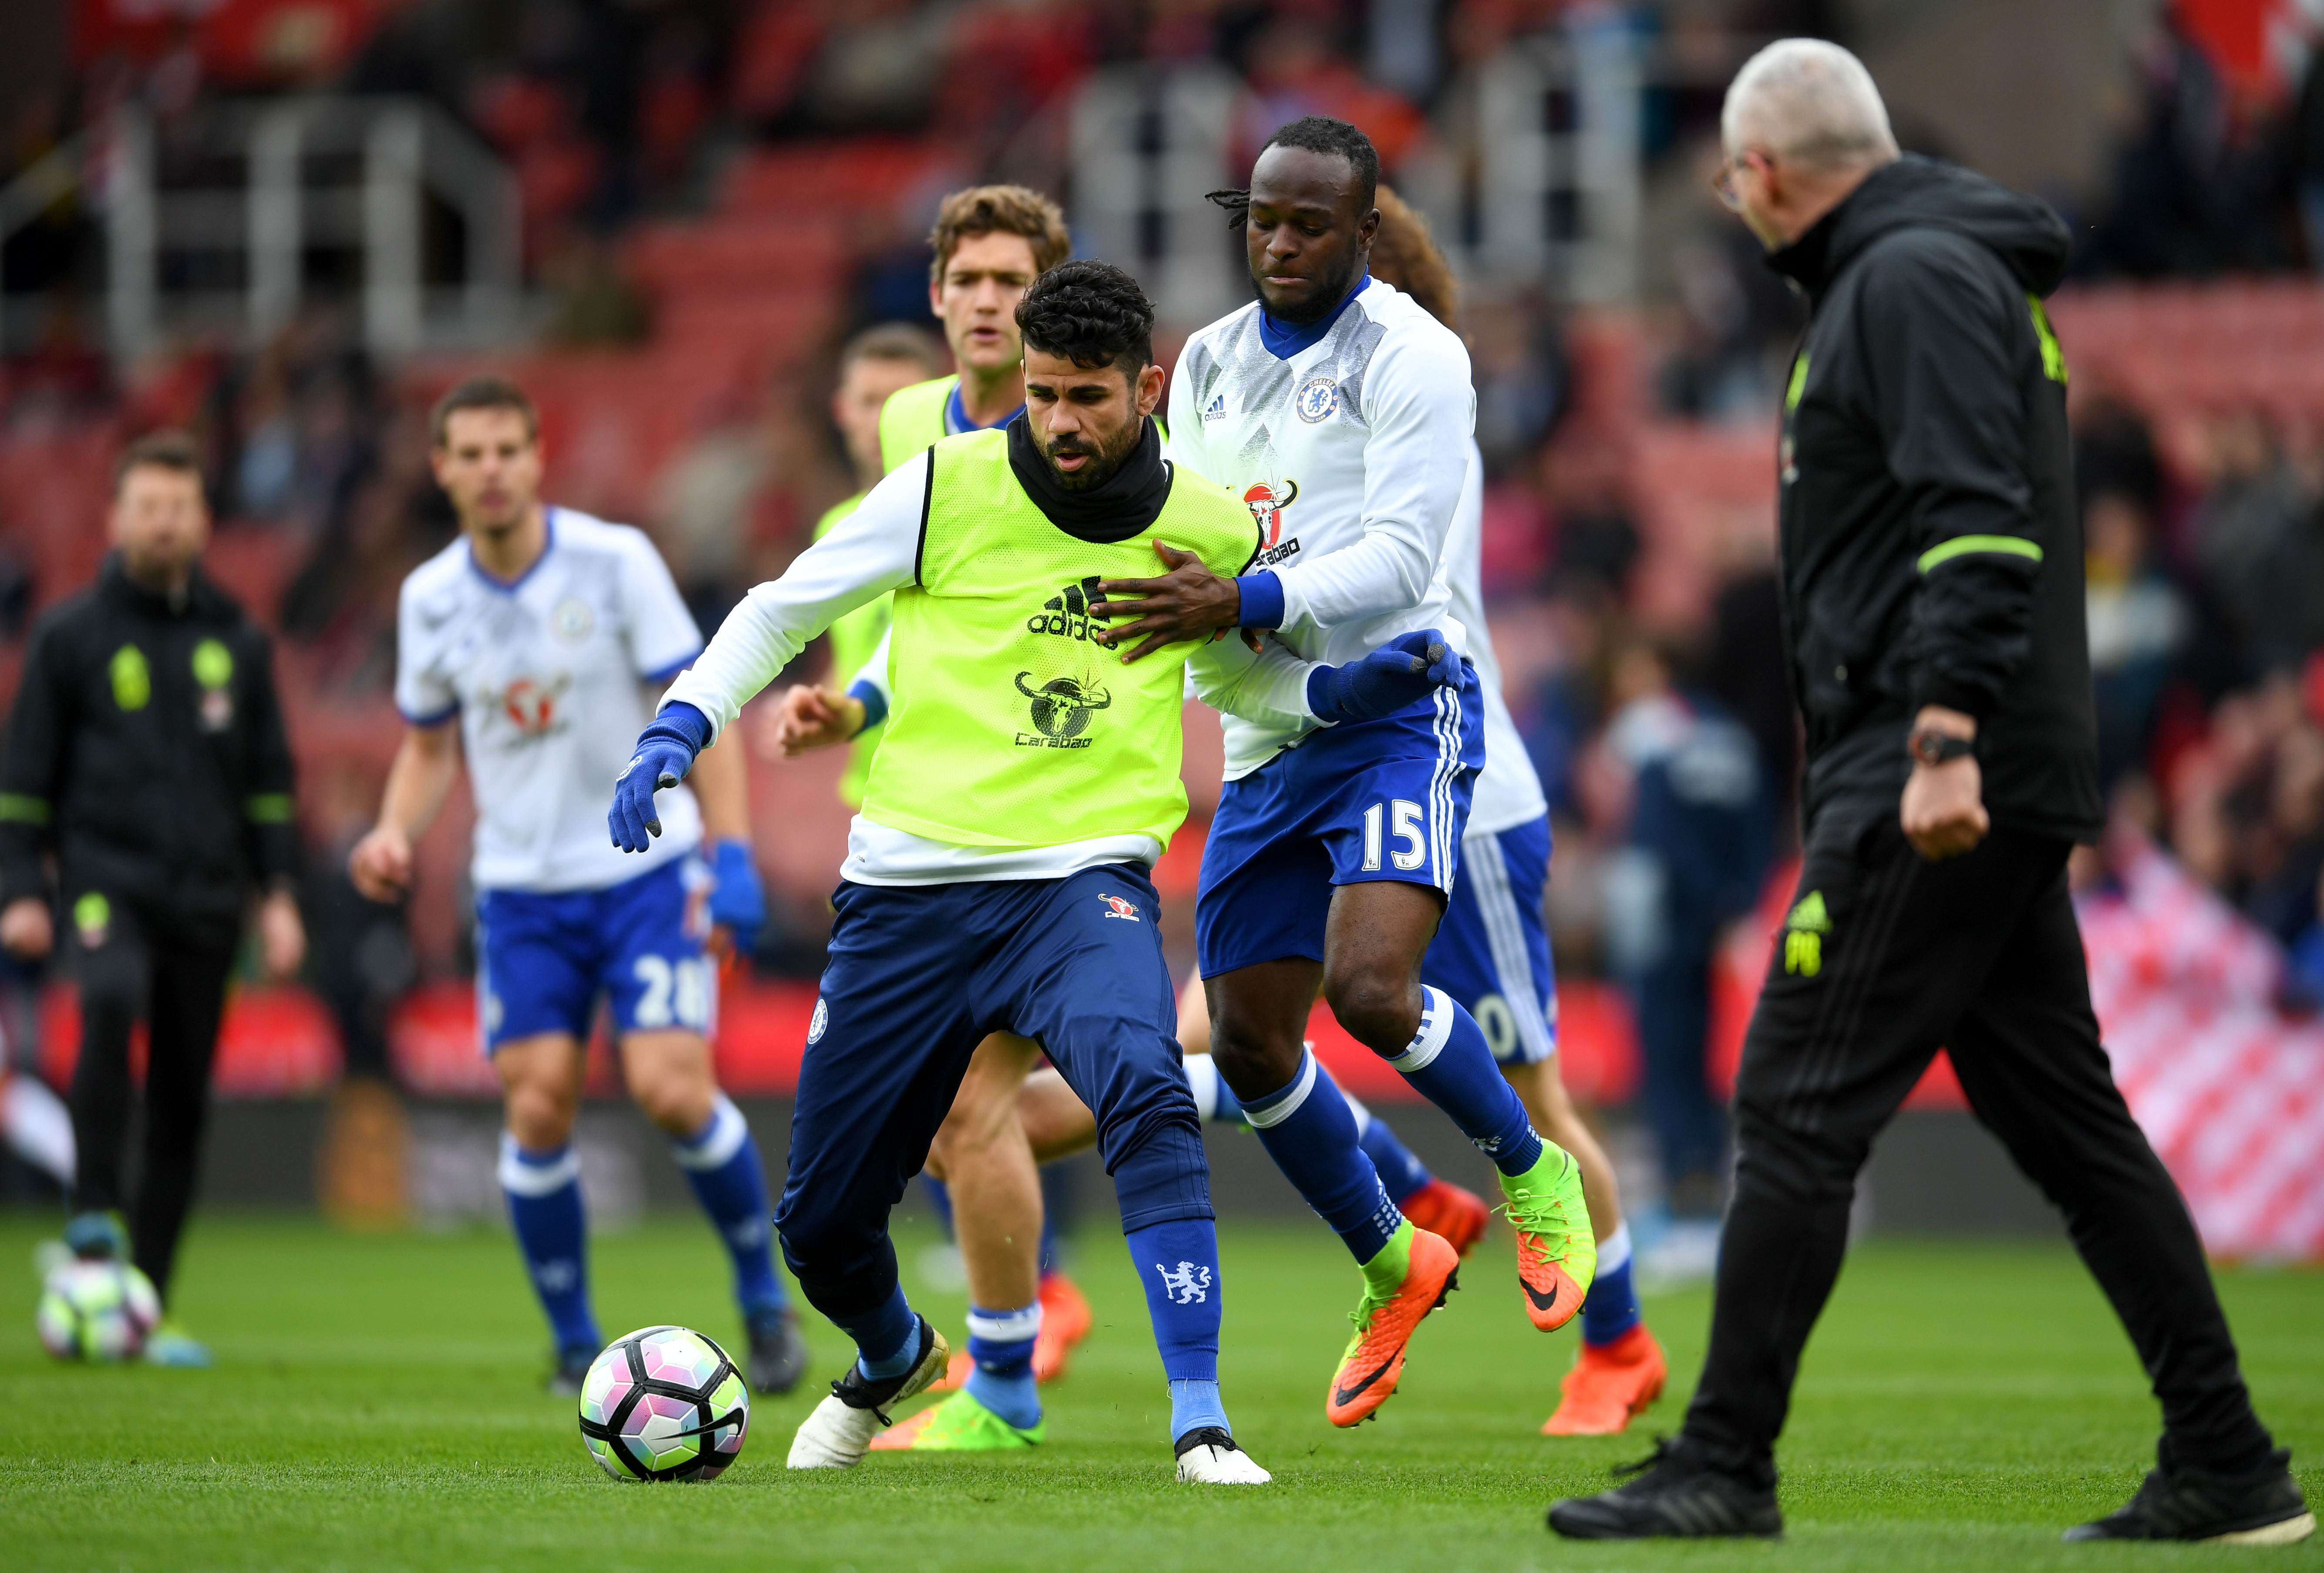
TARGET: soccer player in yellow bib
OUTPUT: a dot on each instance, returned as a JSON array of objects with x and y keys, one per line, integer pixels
[
  {"x": 998, "y": 875},
  {"x": 988, "y": 244}
]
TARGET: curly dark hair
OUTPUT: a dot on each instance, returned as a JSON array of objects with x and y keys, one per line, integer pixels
[
  {"x": 1092, "y": 314},
  {"x": 1317, "y": 133}
]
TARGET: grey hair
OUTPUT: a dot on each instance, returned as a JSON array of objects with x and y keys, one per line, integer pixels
[{"x": 1807, "y": 102}]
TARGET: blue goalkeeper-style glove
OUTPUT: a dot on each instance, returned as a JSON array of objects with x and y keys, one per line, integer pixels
[
  {"x": 666, "y": 751},
  {"x": 738, "y": 902},
  {"x": 1405, "y": 670}
]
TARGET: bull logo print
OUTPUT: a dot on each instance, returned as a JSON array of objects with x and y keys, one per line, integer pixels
[
  {"x": 1115, "y": 906},
  {"x": 1061, "y": 711},
  {"x": 1267, "y": 506}
]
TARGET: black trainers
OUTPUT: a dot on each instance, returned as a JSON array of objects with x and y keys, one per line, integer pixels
[
  {"x": 779, "y": 1353},
  {"x": 2260, "y": 1507},
  {"x": 1670, "y": 1494},
  {"x": 572, "y": 1371}
]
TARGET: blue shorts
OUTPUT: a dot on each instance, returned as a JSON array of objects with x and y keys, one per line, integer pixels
[
  {"x": 1365, "y": 800},
  {"x": 1491, "y": 952},
  {"x": 918, "y": 975},
  {"x": 545, "y": 957}
]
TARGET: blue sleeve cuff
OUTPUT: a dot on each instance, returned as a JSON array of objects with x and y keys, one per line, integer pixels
[
  {"x": 874, "y": 702},
  {"x": 1262, "y": 599},
  {"x": 685, "y": 721}
]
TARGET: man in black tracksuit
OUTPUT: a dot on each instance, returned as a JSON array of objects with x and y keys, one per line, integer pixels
[
  {"x": 1931, "y": 568},
  {"x": 145, "y": 752}
]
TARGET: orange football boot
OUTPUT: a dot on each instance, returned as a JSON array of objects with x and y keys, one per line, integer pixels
[
  {"x": 1609, "y": 1386},
  {"x": 1446, "y": 1209},
  {"x": 1557, "y": 1252},
  {"x": 1065, "y": 1322},
  {"x": 1373, "y": 1362}
]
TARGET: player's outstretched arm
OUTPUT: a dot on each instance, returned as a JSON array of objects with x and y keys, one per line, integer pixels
[
  {"x": 871, "y": 551},
  {"x": 1188, "y": 602},
  {"x": 417, "y": 785}
]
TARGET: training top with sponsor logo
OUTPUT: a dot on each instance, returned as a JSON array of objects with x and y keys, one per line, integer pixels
[
  {"x": 1509, "y": 791},
  {"x": 1349, "y": 441},
  {"x": 546, "y": 675},
  {"x": 1017, "y": 748}
]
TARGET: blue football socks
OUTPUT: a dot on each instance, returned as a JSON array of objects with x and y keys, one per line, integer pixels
[
  {"x": 1612, "y": 1308},
  {"x": 1178, "y": 1264},
  {"x": 1400, "y": 1172},
  {"x": 1311, "y": 1134},
  {"x": 1450, "y": 1064},
  {"x": 552, "y": 1231},
  {"x": 720, "y": 1162},
  {"x": 887, "y": 1336},
  {"x": 1000, "y": 1342},
  {"x": 1194, "y": 1404}
]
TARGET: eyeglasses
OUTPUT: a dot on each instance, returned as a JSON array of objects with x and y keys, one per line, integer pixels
[{"x": 1723, "y": 182}]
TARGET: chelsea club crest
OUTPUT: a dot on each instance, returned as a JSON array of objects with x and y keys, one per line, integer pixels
[{"x": 1317, "y": 399}]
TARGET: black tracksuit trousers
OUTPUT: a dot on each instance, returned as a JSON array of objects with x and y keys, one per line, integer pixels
[
  {"x": 147, "y": 965},
  {"x": 1980, "y": 955}
]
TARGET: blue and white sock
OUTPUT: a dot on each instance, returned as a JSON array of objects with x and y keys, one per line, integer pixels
[
  {"x": 1213, "y": 1099},
  {"x": 1000, "y": 1342},
  {"x": 1309, "y": 1132},
  {"x": 1048, "y": 1239},
  {"x": 1400, "y": 1172},
  {"x": 552, "y": 1231},
  {"x": 720, "y": 1162},
  {"x": 1450, "y": 1063},
  {"x": 887, "y": 1336},
  {"x": 1612, "y": 1308},
  {"x": 1178, "y": 1264}
]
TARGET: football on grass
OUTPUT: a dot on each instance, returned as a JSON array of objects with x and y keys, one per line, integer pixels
[
  {"x": 664, "y": 1404},
  {"x": 96, "y": 1310}
]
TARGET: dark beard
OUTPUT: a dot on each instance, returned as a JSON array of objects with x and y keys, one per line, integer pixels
[
  {"x": 1328, "y": 298},
  {"x": 1104, "y": 463}
]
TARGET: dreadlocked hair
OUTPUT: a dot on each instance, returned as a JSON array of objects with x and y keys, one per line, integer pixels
[{"x": 1317, "y": 133}]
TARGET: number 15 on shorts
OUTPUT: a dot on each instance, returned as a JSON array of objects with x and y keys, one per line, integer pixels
[{"x": 1403, "y": 821}]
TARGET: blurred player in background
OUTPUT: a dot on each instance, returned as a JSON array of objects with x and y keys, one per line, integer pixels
[
  {"x": 874, "y": 367},
  {"x": 1491, "y": 954},
  {"x": 528, "y": 644},
  {"x": 998, "y": 875},
  {"x": 1341, "y": 412},
  {"x": 146, "y": 753},
  {"x": 989, "y": 243}
]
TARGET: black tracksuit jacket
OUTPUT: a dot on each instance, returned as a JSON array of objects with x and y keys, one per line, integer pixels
[
  {"x": 1932, "y": 551},
  {"x": 146, "y": 749}
]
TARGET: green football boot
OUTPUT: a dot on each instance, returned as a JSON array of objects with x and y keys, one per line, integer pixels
[
  {"x": 958, "y": 1425},
  {"x": 1557, "y": 1250}
]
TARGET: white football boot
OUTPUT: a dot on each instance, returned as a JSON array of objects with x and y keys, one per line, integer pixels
[
  {"x": 838, "y": 1432},
  {"x": 1208, "y": 1456}
]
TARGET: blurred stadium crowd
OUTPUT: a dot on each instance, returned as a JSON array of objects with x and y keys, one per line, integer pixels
[{"x": 715, "y": 193}]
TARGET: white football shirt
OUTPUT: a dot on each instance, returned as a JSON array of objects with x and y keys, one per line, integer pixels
[
  {"x": 1351, "y": 452},
  {"x": 547, "y": 677},
  {"x": 1508, "y": 792}
]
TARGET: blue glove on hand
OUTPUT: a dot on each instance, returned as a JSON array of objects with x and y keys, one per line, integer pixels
[
  {"x": 1407, "y": 669},
  {"x": 738, "y": 903},
  {"x": 666, "y": 751}
]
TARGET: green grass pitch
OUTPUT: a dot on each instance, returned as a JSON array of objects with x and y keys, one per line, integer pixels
[{"x": 377, "y": 1405}]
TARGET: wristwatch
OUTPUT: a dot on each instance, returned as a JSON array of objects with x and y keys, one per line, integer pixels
[{"x": 1931, "y": 746}]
